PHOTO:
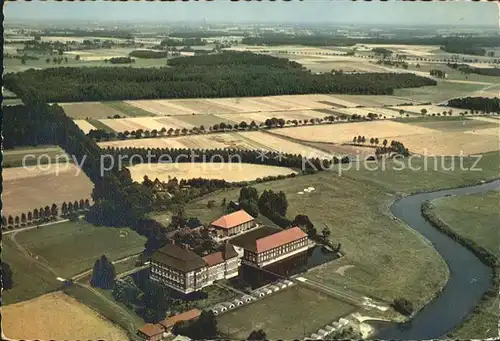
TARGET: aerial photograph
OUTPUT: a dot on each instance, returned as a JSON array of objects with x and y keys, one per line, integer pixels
[{"x": 250, "y": 170}]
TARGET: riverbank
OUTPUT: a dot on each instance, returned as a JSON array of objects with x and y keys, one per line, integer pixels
[
  {"x": 481, "y": 323},
  {"x": 437, "y": 318}
]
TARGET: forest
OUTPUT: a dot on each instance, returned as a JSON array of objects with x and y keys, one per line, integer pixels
[
  {"x": 148, "y": 54},
  {"x": 183, "y": 42},
  {"x": 484, "y": 104},
  {"x": 477, "y": 70},
  {"x": 319, "y": 40},
  {"x": 229, "y": 74}
]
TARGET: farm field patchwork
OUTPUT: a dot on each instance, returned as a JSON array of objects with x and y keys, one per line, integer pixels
[
  {"x": 243, "y": 141},
  {"x": 308, "y": 309},
  {"x": 27, "y": 188},
  {"x": 56, "y": 316},
  {"x": 81, "y": 244},
  {"x": 442, "y": 92},
  {"x": 344, "y": 132},
  {"x": 93, "y": 110},
  {"x": 231, "y": 172}
]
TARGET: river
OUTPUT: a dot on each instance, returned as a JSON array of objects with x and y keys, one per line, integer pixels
[{"x": 469, "y": 277}]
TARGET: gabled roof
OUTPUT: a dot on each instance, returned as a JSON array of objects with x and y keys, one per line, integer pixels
[
  {"x": 151, "y": 330},
  {"x": 185, "y": 316},
  {"x": 178, "y": 258},
  {"x": 233, "y": 219},
  {"x": 221, "y": 256},
  {"x": 278, "y": 239}
]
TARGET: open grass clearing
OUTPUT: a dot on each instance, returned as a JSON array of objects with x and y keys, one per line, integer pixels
[
  {"x": 56, "y": 316},
  {"x": 32, "y": 156},
  {"x": 458, "y": 124},
  {"x": 443, "y": 91},
  {"x": 293, "y": 313},
  {"x": 344, "y": 132},
  {"x": 475, "y": 217},
  {"x": 231, "y": 172},
  {"x": 29, "y": 279},
  {"x": 356, "y": 214},
  {"x": 92, "y": 110},
  {"x": 127, "y": 109},
  {"x": 27, "y": 188},
  {"x": 81, "y": 244},
  {"x": 420, "y": 175}
]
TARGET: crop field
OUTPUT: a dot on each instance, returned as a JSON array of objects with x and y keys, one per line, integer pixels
[
  {"x": 308, "y": 309},
  {"x": 460, "y": 124},
  {"x": 231, "y": 172},
  {"x": 56, "y": 316},
  {"x": 93, "y": 110},
  {"x": 380, "y": 270},
  {"x": 81, "y": 244},
  {"x": 242, "y": 141},
  {"x": 30, "y": 155},
  {"x": 431, "y": 109},
  {"x": 344, "y": 132},
  {"x": 27, "y": 188},
  {"x": 381, "y": 112},
  {"x": 449, "y": 143},
  {"x": 84, "y": 125}
]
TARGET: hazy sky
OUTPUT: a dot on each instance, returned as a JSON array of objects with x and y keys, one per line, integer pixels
[{"x": 332, "y": 11}]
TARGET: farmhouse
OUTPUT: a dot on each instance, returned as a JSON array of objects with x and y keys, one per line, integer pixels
[
  {"x": 233, "y": 223},
  {"x": 151, "y": 332},
  {"x": 169, "y": 323},
  {"x": 278, "y": 246},
  {"x": 186, "y": 272}
]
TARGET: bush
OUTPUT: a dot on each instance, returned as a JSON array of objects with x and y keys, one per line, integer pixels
[{"x": 403, "y": 306}]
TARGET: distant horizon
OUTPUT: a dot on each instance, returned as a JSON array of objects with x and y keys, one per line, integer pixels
[{"x": 313, "y": 12}]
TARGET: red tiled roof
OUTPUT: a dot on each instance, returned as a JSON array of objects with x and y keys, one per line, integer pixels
[
  {"x": 185, "y": 316},
  {"x": 219, "y": 257},
  {"x": 151, "y": 330},
  {"x": 233, "y": 219},
  {"x": 278, "y": 239},
  {"x": 214, "y": 258}
]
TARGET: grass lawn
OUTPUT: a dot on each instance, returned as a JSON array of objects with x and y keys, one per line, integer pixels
[
  {"x": 356, "y": 214},
  {"x": 29, "y": 279},
  {"x": 407, "y": 181},
  {"x": 73, "y": 247},
  {"x": 42, "y": 155},
  {"x": 127, "y": 109},
  {"x": 443, "y": 91},
  {"x": 475, "y": 217},
  {"x": 289, "y": 314},
  {"x": 99, "y": 125}
]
